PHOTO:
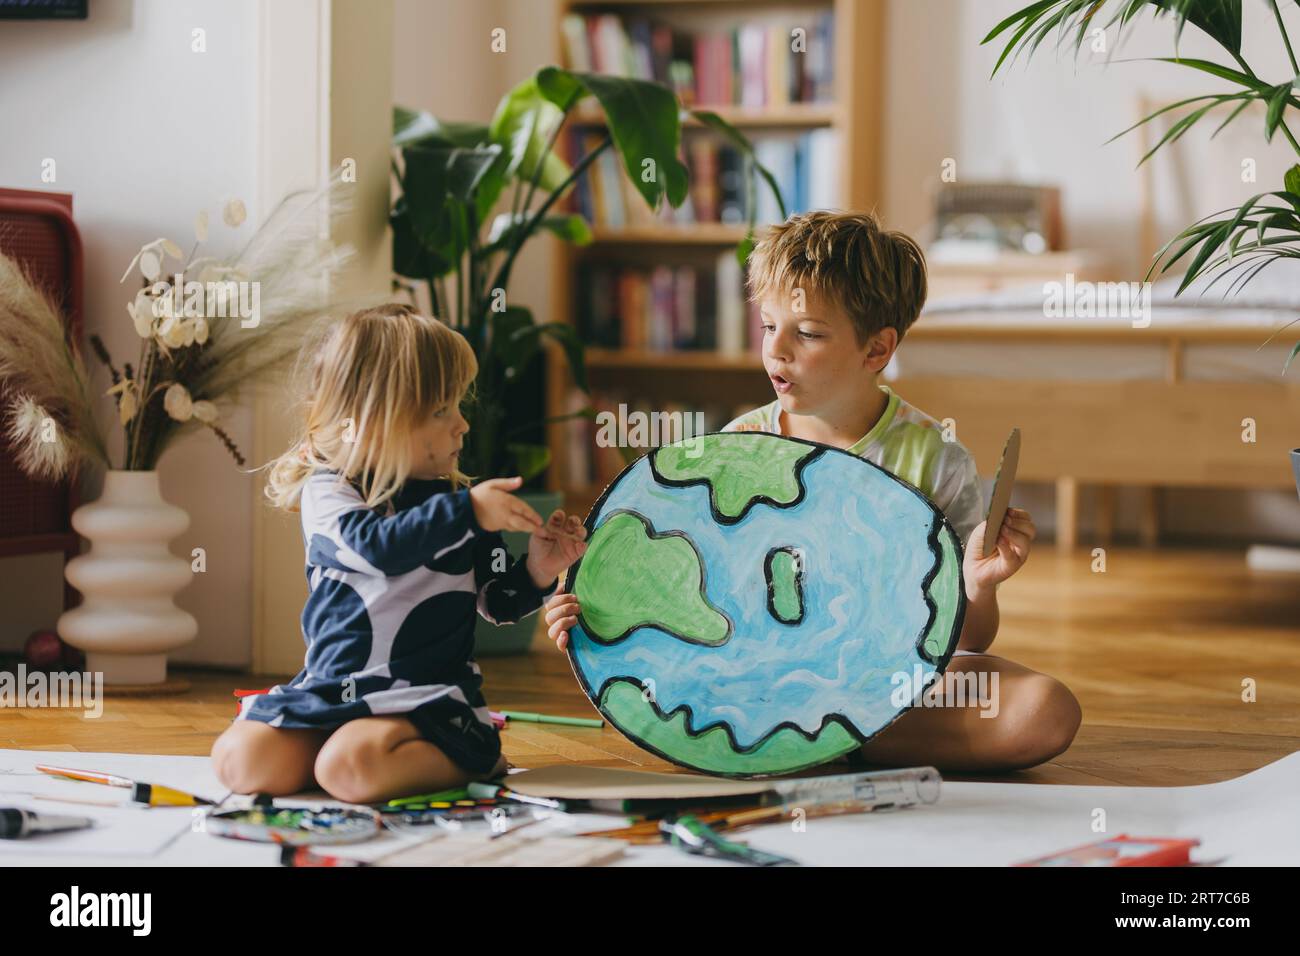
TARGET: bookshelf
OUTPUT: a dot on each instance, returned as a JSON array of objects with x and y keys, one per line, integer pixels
[{"x": 833, "y": 115}]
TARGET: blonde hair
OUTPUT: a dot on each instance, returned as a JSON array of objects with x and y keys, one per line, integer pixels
[
  {"x": 374, "y": 377},
  {"x": 876, "y": 276}
]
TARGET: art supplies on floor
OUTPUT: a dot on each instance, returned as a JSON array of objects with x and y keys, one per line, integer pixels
[
  {"x": 458, "y": 849},
  {"x": 295, "y": 826},
  {"x": 1122, "y": 850},
  {"x": 1248, "y": 820},
  {"x": 691, "y": 835},
  {"x": 15, "y": 823},
  {"x": 627, "y": 790},
  {"x": 146, "y": 794}
]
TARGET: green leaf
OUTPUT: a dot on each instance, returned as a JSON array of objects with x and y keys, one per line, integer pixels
[
  {"x": 745, "y": 247},
  {"x": 570, "y": 227},
  {"x": 1219, "y": 19},
  {"x": 411, "y": 258},
  {"x": 523, "y": 124},
  {"x": 643, "y": 121},
  {"x": 514, "y": 339},
  {"x": 1276, "y": 106},
  {"x": 1216, "y": 69},
  {"x": 530, "y": 460},
  {"x": 1292, "y": 180},
  {"x": 573, "y": 347},
  {"x": 438, "y": 183},
  {"x": 411, "y": 127},
  {"x": 742, "y": 143},
  {"x": 1295, "y": 350}
]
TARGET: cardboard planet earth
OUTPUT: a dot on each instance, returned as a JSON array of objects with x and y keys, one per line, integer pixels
[{"x": 755, "y": 605}]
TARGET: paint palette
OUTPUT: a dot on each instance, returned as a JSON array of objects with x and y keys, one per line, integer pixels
[{"x": 295, "y": 826}]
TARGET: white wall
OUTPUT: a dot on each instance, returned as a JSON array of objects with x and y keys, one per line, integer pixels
[
  {"x": 144, "y": 132},
  {"x": 443, "y": 62}
]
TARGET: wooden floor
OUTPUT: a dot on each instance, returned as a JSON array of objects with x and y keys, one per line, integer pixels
[{"x": 1156, "y": 648}]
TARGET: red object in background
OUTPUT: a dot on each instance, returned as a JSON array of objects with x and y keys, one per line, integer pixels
[
  {"x": 37, "y": 231},
  {"x": 241, "y": 694},
  {"x": 43, "y": 650}
]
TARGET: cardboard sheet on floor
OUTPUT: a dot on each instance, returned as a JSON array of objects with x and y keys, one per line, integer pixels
[
  {"x": 1246, "y": 821},
  {"x": 568, "y": 782}
]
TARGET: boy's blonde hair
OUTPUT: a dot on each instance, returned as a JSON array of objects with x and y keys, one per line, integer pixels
[
  {"x": 374, "y": 378},
  {"x": 876, "y": 276}
]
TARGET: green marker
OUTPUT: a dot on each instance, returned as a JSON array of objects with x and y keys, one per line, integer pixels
[
  {"x": 442, "y": 796},
  {"x": 551, "y": 719}
]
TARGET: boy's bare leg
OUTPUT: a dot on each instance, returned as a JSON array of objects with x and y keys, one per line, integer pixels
[
  {"x": 1031, "y": 719},
  {"x": 253, "y": 757},
  {"x": 378, "y": 758}
]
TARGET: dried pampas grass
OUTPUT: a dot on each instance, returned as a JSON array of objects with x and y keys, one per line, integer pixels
[{"x": 49, "y": 411}]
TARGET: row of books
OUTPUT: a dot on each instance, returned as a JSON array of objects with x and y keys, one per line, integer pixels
[
  {"x": 753, "y": 65},
  {"x": 667, "y": 308},
  {"x": 805, "y": 166},
  {"x": 629, "y": 426}
]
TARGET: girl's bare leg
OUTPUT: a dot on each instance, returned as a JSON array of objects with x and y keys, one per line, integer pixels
[
  {"x": 1013, "y": 718},
  {"x": 253, "y": 757},
  {"x": 379, "y": 758}
]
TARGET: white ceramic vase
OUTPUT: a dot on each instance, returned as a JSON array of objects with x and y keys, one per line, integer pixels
[{"x": 127, "y": 621}]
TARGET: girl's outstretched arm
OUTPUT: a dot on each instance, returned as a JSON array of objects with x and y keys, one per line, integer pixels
[{"x": 342, "y": 531}]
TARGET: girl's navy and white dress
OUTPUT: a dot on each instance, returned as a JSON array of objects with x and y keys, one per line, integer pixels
[{"x": 389, "y": 622}]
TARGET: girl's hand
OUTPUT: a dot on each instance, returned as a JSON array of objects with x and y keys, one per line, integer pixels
[
  {"x": 495, "y": 509},
  {"x": 555, "y": 546},
  {"x": 561, "y": 614},
  {"x": 1014, "y": 538}
]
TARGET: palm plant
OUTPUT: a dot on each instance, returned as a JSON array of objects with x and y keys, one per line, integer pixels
[
  {"x": 1235, "y": 244},
  {"x": 454, "y": 175}
]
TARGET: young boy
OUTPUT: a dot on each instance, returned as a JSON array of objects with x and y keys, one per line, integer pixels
[{"x": 837, "y": 294}]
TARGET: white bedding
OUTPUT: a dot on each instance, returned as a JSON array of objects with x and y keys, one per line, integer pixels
[{"x": 1267, "y": 304}]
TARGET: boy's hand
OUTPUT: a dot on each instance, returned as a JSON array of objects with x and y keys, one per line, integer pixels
[
  {"x": 561, "y": 614},
  {"x": 555, "y": 546},
  {"x": 496, "y": 509},
  {"x": 983, "y": 572}
]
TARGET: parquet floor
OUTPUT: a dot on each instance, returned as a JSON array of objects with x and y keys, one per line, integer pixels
[{"x": 1156, "y": 648}]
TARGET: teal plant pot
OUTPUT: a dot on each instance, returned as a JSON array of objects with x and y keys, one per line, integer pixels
[
  {"x": 1295, "y": 467},
  {"x": 501, "y": 640}
]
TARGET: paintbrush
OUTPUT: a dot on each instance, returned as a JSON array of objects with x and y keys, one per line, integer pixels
[{"x": 150, "y": 794}]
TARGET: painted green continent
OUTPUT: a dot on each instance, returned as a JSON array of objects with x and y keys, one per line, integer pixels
[
  {"x": 629, "y": 579},
  {"x": 784, "y": 751},
  {"x": 738, "y": 469},
  {"x": 783, "y": 580}
]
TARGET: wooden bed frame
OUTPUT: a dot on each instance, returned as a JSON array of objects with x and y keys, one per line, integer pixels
[{"x": 1153, "y": 433}]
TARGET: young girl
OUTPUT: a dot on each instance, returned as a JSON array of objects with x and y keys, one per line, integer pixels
[{"x": 401, "y": 552}]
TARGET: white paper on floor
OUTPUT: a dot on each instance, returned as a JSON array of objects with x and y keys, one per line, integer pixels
[
  {"x": 124, "y": 830},
  {"x": 1250, "y": 820}
]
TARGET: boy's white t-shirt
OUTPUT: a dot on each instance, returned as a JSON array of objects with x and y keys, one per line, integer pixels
[{"x": 909, "y": 444}]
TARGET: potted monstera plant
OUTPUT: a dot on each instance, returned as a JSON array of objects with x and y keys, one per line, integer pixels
[
  {"x": 472, "y": 195},
  {"x": 1232, "y": 244}
]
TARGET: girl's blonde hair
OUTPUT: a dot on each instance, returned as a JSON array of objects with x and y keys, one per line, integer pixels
[{"x": 375, "y": 377}]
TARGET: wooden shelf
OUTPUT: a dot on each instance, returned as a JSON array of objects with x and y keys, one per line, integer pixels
[
  {"x": 692, "y": 234},
  {"x": 793, "y": 115},
  {"x": 685, "y": 359},
  {"x": 856, "y": 116}
]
